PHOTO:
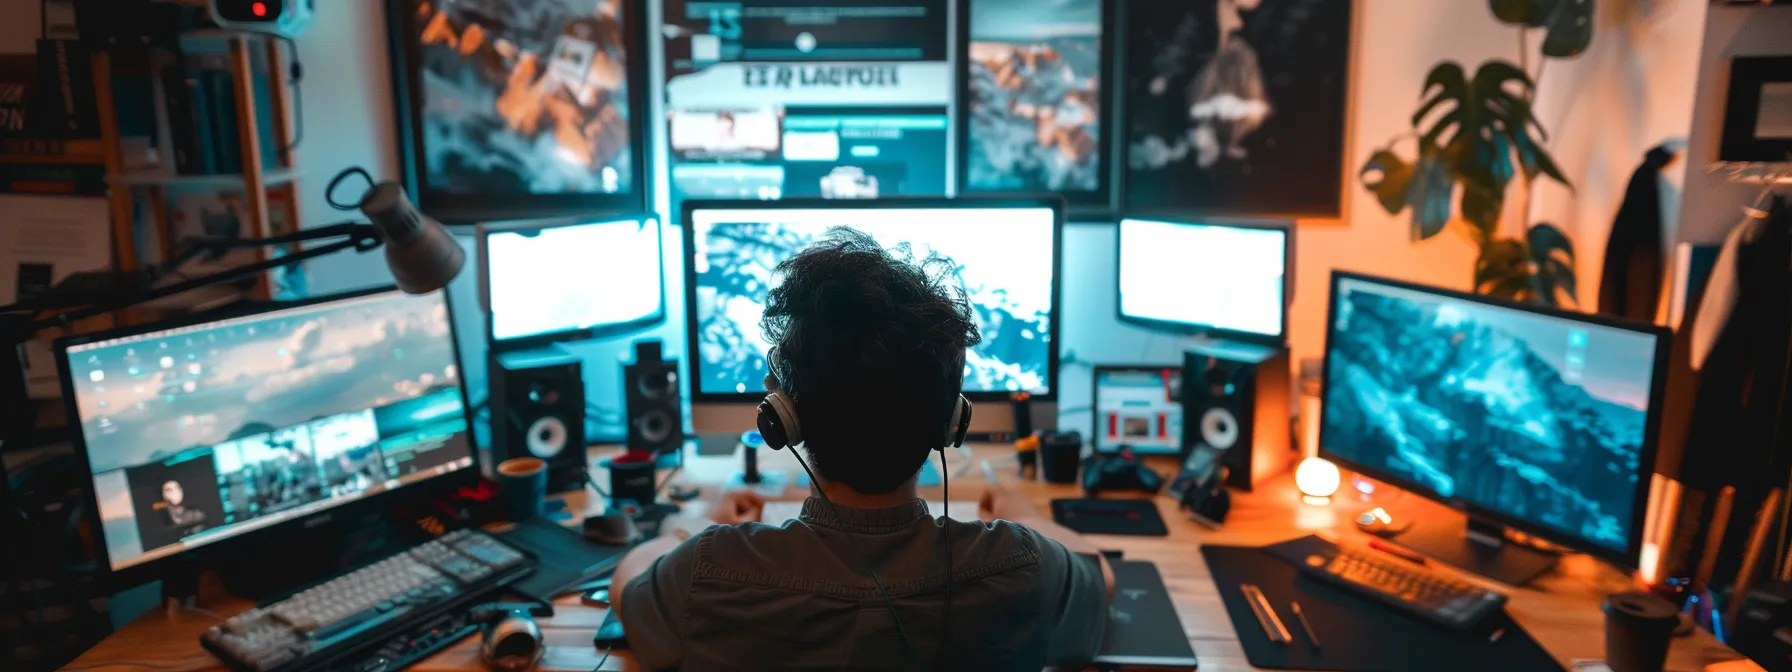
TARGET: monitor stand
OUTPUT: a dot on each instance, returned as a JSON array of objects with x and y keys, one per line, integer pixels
[{"x": 1481, "y": 548}]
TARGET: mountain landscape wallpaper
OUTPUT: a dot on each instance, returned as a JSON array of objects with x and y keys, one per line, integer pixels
[{"x": 1518, "y": 413}]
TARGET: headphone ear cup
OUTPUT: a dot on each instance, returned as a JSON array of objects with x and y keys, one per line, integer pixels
[
  {"x": 778, "y": 423},
  {"x": 960, "y": 425}
]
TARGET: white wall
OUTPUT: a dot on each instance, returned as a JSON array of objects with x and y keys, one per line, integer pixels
[
  {"x": 1712, "y": 204},
  {"x": 21, "y": 27}
]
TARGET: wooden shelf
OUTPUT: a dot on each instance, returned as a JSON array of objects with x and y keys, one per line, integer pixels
[
  {"x": 1751, "y": 172},
  {"x": 60, "y": 159},
  {"x": 146, "y": 178}
]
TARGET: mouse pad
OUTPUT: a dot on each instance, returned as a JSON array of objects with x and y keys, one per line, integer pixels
[
  {"x": 1133, "y": 517},
  {"x": 1355, "y": 634}
]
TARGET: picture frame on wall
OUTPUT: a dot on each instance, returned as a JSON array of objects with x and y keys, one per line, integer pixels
[
  {"x": 1758, "y": 112},
  {"x": 1236, "y": 107},
  {"x": 537, "y": 112},
  {"x": 1036, "y": 100}
]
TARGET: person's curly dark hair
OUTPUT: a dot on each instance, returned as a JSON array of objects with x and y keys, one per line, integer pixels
[{"x": 870, "y": 345}]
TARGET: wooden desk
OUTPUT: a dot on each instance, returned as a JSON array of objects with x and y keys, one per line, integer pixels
[{"x": 1560, "y": 610}]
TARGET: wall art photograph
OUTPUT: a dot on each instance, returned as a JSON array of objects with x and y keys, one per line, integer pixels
[
  {"x": 1758, "y": 110},
  {"x": 522, "y": 97},
  {"x": 1034, "y": 96},
  {"x": 1236, "y": 106}
]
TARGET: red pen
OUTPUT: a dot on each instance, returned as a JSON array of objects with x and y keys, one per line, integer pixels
[{"x": 1397, "y": 552}]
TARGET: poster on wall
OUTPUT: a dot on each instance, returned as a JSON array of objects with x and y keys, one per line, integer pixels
[
  {"x": 520, "y": 108},
  {"x": 1035, "y": 104},
  {"x": 1236, "y": 107}
]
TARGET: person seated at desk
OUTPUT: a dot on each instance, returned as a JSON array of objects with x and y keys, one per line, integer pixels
[{"x": 870, "y": 347}]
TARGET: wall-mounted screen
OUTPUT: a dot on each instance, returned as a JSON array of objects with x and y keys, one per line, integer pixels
[
  {"x": 769, "y": 99},
  {"x": 519, "y": 109},
  {"x": 1035, "y": 99}
]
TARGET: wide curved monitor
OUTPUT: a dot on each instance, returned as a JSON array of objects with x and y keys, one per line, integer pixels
[
  {"x": 201, "y": 433},
  {"x": 1007, "y": 251}
]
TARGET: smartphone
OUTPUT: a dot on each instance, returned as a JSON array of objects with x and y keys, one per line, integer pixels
[
  {"x": 609, "y": 635},
  {"x": 596, "y": 597}
]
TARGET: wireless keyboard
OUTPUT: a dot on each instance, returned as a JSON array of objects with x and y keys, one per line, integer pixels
[
  {"x": 309, "y": 629},
  {"x": 1452, "y": 603}
]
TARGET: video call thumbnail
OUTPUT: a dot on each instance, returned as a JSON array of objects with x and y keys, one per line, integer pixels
[
  {"x": 1005, "y": 261},
  {"x": 1537, "y": 417},
  {"x": 175, "y": 498},
  {"x": 525, "y": 97},
  {"x": 424, "y": 433},
  {"x": 1035, "y": 96}
]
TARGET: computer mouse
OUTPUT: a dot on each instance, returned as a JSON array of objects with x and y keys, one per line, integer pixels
[
  {"x": 612, "y": 529},
  {"x": 1377, "y": 522}
]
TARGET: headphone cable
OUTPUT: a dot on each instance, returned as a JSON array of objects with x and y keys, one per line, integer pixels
[
  {"x": 946, "y": 515},
  {"x": 913, "y": 657}
]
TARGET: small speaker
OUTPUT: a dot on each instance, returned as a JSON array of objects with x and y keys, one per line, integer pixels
[
  {"x": 650, "y": 392},
  {"x": 538, "y": 410},
  {"x": 1235, "y": 400}
]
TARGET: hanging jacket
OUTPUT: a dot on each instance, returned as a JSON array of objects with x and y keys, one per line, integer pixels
[{"x": 1630, "y": 283}]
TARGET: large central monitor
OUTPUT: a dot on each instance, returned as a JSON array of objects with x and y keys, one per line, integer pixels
[
  {"x": 1007, "y": 251},
  {"x": 571, "y": 280},
  {"x": 1539, "y": 420},
  {"x": 208, "y": 432},
  {"x": 1222, "y": 279}
]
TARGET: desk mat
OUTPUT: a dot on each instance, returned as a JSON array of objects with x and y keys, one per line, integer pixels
[{"x": 1355, "y": 634}]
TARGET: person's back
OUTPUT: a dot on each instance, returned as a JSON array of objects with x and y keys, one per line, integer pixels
[{"x": 868, "y": 361}]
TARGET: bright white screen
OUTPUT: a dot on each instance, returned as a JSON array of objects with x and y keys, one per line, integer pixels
[
  {"x": 1220, "y": 277},
  {"x": 573, "y": 277}
]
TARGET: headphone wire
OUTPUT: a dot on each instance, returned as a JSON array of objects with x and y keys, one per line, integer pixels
[{"x": 946, "y": 515}]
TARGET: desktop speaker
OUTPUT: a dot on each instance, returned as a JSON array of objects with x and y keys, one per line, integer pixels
[
  {"x": 1235, "y": 400},
  {"x": 650, "y": 392},
  {"x": 538, "y": 410}
]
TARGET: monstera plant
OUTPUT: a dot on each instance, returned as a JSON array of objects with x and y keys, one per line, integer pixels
[{"x": 1474, "y": 134}]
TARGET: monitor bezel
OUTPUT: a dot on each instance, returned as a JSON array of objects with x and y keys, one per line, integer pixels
[
  {"x": 1053, "y": 202},
  {"x": 1082, "y": 206},
  {"x": 484, "y": 230},
  {"x": 1629, "y": 556},
  {"x": 1286, "y": 228},
  {"x": 341, "y": 513},
  {"x": 452, "y": 208},
  {"x": 1095, "y": 401}
]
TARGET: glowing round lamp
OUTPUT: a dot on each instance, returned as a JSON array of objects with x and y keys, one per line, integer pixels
[{"x": 1317, "y": 478}]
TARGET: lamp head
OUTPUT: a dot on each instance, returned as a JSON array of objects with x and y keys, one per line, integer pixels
[{"x": 421, "y": 254}]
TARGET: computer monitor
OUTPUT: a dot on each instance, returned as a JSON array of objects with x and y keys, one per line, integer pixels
[
  {"x": 207, "y": 434},
  {"x": 1526, "y": 417},
  {"x": 1224, "y": 279},
  {"x": 571, "y": 280},
  {"x": 1139, "y": 407},
  {"x": 1007, "y": 251},
  {"x": 770, "y": 99}
]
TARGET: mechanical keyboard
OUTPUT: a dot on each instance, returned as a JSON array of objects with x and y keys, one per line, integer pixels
[
  {"x": 319, "y": 624},
  {"x": 1452, "y": 603}
]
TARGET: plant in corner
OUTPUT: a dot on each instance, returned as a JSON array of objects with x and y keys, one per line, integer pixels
[{"x": 1475, "y": 133}]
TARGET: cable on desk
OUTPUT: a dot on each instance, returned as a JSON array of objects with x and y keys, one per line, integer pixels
[
  {"x": 190, "y": 663},
  {"x": 601, "y": 661}
]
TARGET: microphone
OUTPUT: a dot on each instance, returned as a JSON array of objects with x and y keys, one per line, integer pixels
[{"x": 421, "y": 254}]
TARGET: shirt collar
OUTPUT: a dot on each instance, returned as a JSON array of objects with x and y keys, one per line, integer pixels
[{"x": 862, "y": 521}]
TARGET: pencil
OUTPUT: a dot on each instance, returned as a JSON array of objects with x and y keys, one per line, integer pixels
[{"x": 1306, "y": 625}]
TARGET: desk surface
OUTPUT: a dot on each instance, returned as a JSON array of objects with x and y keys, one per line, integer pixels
[{"x": 1560, "y": 610}]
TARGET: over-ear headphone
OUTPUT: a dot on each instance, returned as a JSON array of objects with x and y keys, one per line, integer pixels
[
  {"x": 779, "y": 426},
  {"x": 511, "y": 640}
]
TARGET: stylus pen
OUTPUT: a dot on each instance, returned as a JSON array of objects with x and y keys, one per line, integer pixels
[
  {"x": 1301, "y": 615},
  {"x": 1266, "y": 614}
]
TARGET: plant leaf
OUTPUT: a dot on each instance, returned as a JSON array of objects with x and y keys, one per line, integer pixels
[
  {"x": 1424, "y": 185},
  {"x": 1501, "y": 262},
  {"x": 1552, "y": 255},
  {"x": 1481, "y": 207},
  {"x": 1522, "y": 12},
  {"x": 1570, "y": 26},
  {"x": 1546, "y": 240}
]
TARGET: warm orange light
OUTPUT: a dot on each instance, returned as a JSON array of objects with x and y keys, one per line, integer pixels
[{"x": 1317, "y": 477}]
